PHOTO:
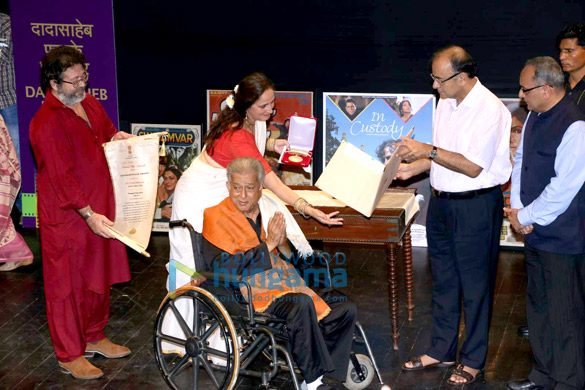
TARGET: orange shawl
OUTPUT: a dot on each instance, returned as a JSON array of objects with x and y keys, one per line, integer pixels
[{"x": 228, "y": 229}]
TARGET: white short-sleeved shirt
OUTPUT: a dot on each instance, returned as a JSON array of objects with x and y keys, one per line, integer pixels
[{"x": 479, "y": 129}]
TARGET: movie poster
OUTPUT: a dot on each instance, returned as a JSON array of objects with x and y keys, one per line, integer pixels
[
  {"x": 182, "y": 145},
  {"x": 519, "y": 113},
  {"x": 287, "y": 103},
  {"x": 374, "y": 123}
]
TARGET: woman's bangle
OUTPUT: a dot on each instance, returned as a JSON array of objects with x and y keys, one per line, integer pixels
[
  {"x": 303, "y": 207},
  {"x": 298, "y": 203},
  {"x": 270, "y": 144}
]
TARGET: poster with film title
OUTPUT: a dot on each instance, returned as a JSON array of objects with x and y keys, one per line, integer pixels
[
  {"x": 287, "y": 103},
  {"x": 374, "y": 123},
  {"x": 519, "y": 111},
  {"x": 182, "y": 145}
]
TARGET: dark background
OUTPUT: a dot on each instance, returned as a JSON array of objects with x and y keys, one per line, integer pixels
[{"x": 169, "y": 52}]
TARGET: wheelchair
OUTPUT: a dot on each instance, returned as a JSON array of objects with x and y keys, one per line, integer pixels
[{"x": 223, "y": 337}]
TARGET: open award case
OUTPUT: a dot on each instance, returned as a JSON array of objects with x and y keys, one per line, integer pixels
[
  {"x": 358, "y": 179},
  {"x": 301, "y": 137}
]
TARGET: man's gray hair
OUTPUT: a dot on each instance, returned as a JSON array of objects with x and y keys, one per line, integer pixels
[
  {"x": 245, "y": 165},
  {"x": 547, "y": 71}
]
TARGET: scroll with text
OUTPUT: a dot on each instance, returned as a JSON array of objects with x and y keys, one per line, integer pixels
[{"x": 133, "y": 164}]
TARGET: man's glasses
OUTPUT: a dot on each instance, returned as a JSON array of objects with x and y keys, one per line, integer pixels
[
  {"x": 524, "y": 90},
  {"x": 441, "y": 81},
  {"x": 83, "y": 79}
]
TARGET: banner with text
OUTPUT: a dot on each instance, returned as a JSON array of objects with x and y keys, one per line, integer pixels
[{"x": 39, "y": 26}]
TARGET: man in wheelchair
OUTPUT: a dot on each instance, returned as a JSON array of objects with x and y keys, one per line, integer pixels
[{"x": 244, "y": 235}]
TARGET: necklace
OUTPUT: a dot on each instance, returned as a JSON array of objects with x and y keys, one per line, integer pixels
[{"x": 249, "y": 124}]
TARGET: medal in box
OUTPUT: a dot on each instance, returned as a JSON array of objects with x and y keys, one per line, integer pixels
[{"x": 301, "y": 137}]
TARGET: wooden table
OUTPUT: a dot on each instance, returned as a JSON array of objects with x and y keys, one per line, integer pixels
[{"x": 386, "y": 226}]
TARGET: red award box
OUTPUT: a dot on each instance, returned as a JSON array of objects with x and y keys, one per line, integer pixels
[{"x": 301, "y": 137}]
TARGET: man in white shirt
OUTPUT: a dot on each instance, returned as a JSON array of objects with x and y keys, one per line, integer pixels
[{"x": 469, "y": 160}]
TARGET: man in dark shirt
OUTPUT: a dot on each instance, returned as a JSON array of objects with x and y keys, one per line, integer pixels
[{"x": 571, "y": 44}]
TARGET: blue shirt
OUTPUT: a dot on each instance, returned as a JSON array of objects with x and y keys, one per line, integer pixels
[{"x": 568, "y": 180}]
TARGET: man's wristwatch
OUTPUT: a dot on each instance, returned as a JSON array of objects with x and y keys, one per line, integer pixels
[
  {"x": 88, "y": 214},
  {"x": 433, "y": 153}
]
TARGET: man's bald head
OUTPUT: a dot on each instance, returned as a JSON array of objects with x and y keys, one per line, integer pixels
[{"x": 460, "y": 59}]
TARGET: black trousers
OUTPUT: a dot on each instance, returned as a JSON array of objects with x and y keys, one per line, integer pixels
[
  {"x": 555, "y": 308},
  {"x": 463, "y": 238},
  {"x": 322, "y": 347}
]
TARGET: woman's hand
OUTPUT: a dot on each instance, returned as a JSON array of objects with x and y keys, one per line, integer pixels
[
  {"x": 280, "y": 144},
  {"x": 325, "y": 219}
]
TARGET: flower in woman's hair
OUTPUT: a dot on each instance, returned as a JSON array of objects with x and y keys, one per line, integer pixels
[
  {"x": 230, "y": 101},
  {"x": 236, "y": 88}
]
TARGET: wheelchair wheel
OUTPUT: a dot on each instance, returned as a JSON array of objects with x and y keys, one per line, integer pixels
[
  {"x": 207, "y": 355},
  {"x": 353, "y": 381}
]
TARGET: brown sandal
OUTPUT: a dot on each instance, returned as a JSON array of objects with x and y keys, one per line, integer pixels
[
  {"x": 469, "y": 378},
  {"x": 417, "y": 365}
]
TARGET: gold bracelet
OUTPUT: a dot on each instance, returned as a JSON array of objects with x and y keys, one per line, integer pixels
[
  {"x": 270, "y": 144},
  {"x": 304, "y": 206},
  {"x": 298, "y": 202}
]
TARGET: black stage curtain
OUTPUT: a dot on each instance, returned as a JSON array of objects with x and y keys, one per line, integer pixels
[{"x": 170, "y": 52}]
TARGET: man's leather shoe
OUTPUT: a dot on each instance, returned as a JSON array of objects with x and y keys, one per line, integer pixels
[
  {"x": 80, "y": 368},
  {"x": 523, "y": 332},
  {"x": 523, "y": 384},
  {"x": 106, "y": 348}
]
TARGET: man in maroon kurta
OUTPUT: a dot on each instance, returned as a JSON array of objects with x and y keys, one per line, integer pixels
[{"x": 75, "y": 200}]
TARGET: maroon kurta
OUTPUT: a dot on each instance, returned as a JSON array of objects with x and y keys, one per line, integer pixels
[{"x": 73, "y": 173}]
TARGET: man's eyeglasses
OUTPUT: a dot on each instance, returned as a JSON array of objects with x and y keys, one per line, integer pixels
[
  {"x": 441, "y": 81},
  {"x": 83, "y": 79},
  {"x": 524, "y": 90}
]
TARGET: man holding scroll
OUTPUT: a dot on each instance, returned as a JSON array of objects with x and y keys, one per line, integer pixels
[
  {"x": 469, "y": 160},
  {"x": 75, "y": 201}
]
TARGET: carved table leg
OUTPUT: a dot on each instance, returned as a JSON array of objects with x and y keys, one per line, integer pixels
[
  {"x": 392, "y": 264},
  {"x": 408, "y": 273}
]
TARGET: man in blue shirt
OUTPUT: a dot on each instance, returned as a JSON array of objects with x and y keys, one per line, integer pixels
[{"x": 547, "y": 200}]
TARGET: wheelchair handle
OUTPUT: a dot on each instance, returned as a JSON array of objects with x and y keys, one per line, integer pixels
[{"x": 181, "y": 223}]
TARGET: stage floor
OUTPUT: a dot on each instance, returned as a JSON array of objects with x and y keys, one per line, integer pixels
[{"x": 27, "y": 359}]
